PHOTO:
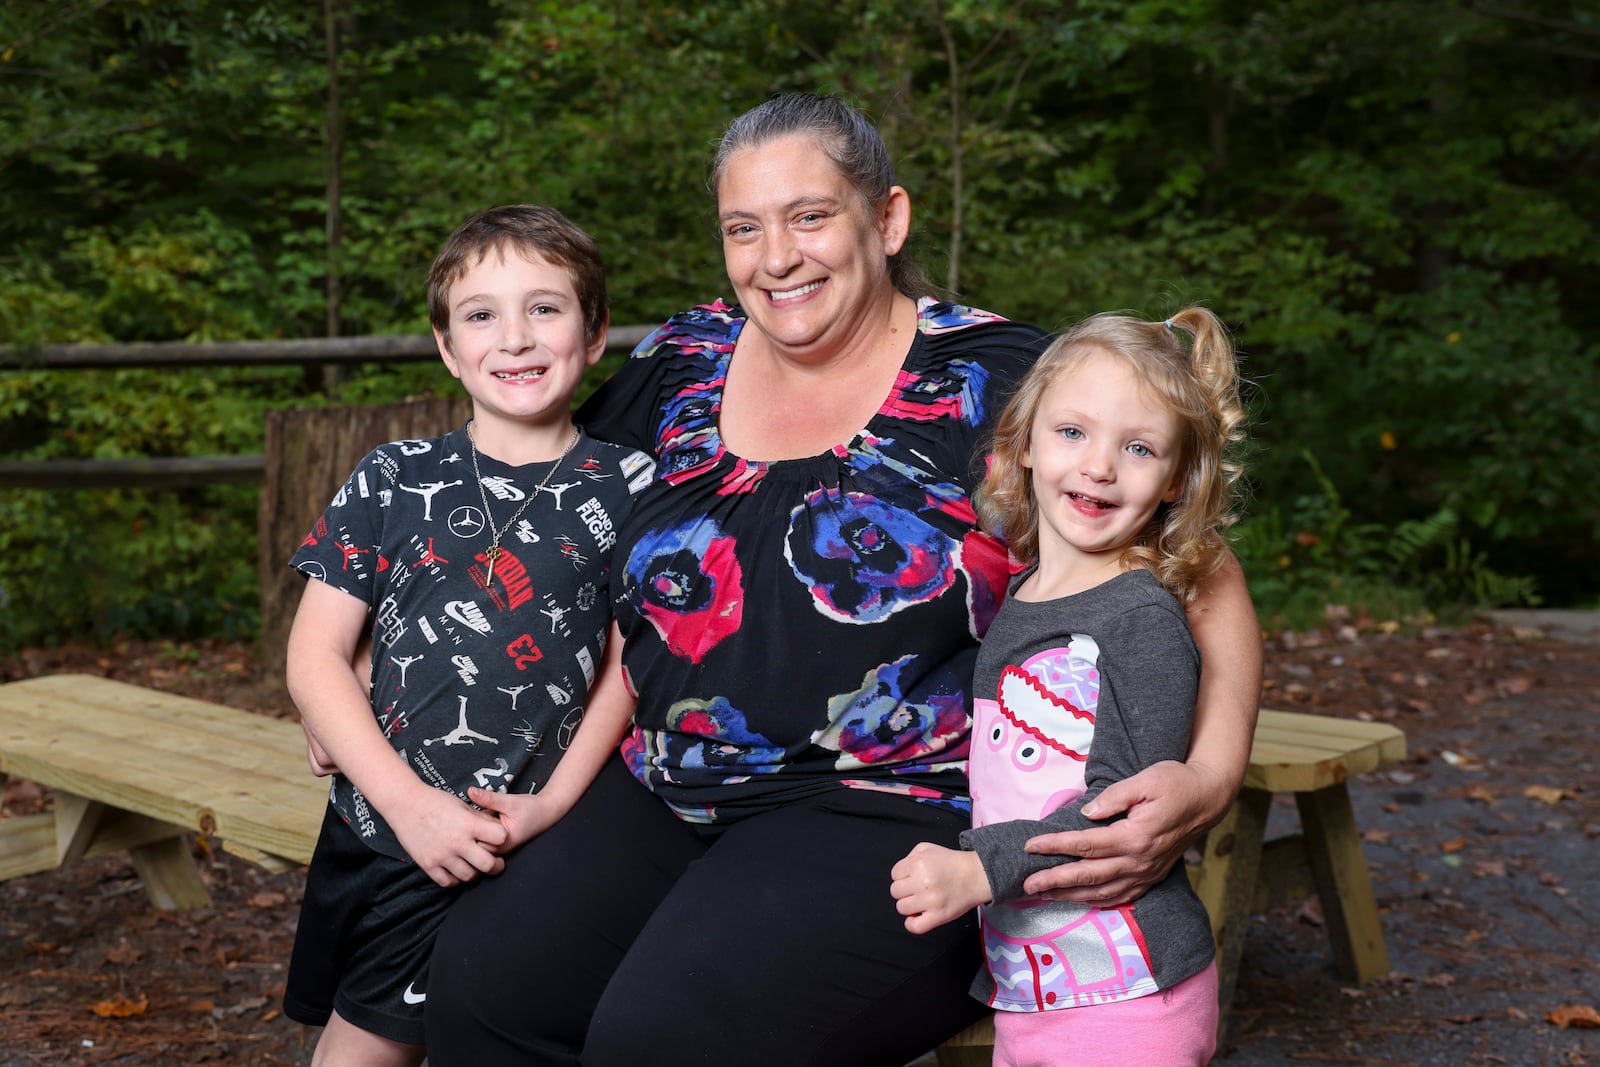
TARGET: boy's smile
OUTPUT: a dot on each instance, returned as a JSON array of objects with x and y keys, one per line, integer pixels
[{"x": 517, "y": 344}]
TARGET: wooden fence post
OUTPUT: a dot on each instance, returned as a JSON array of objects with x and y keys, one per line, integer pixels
[{"x": 309, "y": 454}]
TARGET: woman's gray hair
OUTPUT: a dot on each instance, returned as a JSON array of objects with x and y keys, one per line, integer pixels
[{"x": 849, "y": 140}]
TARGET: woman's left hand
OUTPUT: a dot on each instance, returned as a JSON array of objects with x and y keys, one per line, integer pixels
[{"x": 1169, "y": 806}]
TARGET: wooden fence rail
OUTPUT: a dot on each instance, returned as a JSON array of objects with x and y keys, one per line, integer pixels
[{"x": 175, "y": 472}]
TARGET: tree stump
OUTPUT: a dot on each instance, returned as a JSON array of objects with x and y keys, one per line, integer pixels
[{"x": 309, "y": 454}]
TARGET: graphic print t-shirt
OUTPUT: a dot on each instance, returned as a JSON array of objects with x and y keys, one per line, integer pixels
[
  {"x": 474, "y": 685},
  {"x": 1075, "y": 693},
  {"x": 801, "y": 625}
]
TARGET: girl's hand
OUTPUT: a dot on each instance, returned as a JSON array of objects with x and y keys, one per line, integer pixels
[
  {"x": 1169, "y": 806},
  {"x": 934, "y": 884}
]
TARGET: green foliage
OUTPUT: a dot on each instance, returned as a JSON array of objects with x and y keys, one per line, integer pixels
[
  {"x": 1316, "y": 554},
  {"x": 1389, "y": 202}
]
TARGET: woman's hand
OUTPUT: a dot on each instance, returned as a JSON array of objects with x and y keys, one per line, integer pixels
[
  {"x": 1169, "y": 807},
  {"x": 934, "y": 884}
]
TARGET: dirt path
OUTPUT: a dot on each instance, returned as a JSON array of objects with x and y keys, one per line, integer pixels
[{"x": 1481, "y": 845}]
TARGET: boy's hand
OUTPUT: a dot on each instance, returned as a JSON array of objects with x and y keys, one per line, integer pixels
[
  {"x": 447, "y": 839},
  {"x": 523, "y": 815},
  {"x": 322, "y": 764},
  {"x": 934, "y": 884}
]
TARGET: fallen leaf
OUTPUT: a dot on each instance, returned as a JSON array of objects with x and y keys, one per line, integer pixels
[
  {"x": 1579, "y": 1015},
  {"x": 1480, "y": 793},
  {"x": 268, "y": 899},
  {"x": 1375, "y": 837},
  {"x": 1455, "y": 844},
  {"x": 202, "y": 1005},
  {"x": 124, "y": 954},
  {"x": 1489, "y": 869},
  {"x": 1461, "y": 1020},
  {"x": 1440, "y": 980},
  {"x": 121, "y": 1007},
  {"x": 1549, "y": 878},
  {"x": 1548, "y": 794},
  {"x": 1515, "y": 686}
]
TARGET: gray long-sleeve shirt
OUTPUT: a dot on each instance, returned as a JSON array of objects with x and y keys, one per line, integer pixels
[{"x": 1074, "y": 694}]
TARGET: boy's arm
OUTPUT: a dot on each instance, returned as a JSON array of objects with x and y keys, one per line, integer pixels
[
  {"x": 445, "y": 837},
  {"x": 609, "y": 710},
  {"x": 1170, "y": 805}
]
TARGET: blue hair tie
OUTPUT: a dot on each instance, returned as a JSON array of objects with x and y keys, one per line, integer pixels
[{"x": 1169, "y": 324}]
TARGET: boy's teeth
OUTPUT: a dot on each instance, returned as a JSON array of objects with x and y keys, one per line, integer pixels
[
  {"x": 505, "y": 376},
  {"x": 790, "y": 294}
]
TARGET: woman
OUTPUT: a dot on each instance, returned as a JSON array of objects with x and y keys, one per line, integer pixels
[{"x": 803, "y": 588}]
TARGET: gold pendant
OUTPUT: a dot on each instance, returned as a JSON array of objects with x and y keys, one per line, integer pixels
[{"x": 491, "y": 555}]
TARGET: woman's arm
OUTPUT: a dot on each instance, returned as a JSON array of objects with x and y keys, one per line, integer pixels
[{"x": 1170, "y": 805}]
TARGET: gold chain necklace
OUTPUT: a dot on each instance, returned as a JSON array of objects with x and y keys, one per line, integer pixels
[{"x": 488, "y": 519}]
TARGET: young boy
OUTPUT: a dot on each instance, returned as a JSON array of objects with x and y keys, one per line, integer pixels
[{"x": 477, "y": 564}]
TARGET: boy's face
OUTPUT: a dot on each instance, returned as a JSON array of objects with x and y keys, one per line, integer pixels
[{"x": 517, "y": 340}]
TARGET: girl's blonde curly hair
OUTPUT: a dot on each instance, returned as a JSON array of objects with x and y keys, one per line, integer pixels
[{"x": 1199, "y": 381}]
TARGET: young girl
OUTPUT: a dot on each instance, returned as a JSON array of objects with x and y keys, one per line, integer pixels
[{"x": 1110, "y": 483}]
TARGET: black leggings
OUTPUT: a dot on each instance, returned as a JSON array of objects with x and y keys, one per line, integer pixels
[{"x": 639, "y": 939}]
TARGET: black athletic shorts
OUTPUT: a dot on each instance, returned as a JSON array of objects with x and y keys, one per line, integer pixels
[{"x": 366, "y": 932}]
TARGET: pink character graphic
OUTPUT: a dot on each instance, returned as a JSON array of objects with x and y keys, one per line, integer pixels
[{"x": 1029, "y": 750}]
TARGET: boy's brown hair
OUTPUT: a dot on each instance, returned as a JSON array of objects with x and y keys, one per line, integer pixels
[{"x": 528, "y": 230}]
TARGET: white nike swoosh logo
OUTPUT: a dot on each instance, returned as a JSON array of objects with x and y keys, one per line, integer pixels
[{"x": 413, "y": 998}]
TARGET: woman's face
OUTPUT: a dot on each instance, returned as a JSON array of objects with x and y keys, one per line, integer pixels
[{"x": 808, "y": 260}]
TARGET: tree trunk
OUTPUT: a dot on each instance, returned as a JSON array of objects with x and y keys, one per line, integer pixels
[
  {"x": 309, "y": 454},
  {"x": 335, "y": 193}
]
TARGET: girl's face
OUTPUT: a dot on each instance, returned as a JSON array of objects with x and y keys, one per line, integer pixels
[
  {"x": 807, "y": 259},
  {"x": 1105, "y": 453}
]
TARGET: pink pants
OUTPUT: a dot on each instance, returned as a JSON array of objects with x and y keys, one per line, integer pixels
[{"x": 1176, "y": 1027}]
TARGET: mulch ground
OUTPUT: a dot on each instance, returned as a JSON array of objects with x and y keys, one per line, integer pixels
[{"x": 1482, "y": 844}]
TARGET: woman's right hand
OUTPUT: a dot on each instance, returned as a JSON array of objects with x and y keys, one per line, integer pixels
[{"x": 1169, "y": 806}]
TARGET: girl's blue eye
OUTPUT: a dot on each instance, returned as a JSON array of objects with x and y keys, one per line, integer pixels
[
  {"x": 1071, "y": 433},
  {"x": 1142, "y": 451}
]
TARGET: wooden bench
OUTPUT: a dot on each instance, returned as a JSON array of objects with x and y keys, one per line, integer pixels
[
  {"x": 1241, "y": 873},
  {"x": 136, "y": 769}
]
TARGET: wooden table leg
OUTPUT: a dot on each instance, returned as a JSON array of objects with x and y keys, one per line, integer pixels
[
  {"x": 1226, "y": 883},
  {"x": 1339, "y": 869},
  {"x": 169, "y": 874}
]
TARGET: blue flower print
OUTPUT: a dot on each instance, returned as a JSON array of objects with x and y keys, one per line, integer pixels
[
  {"x": 880, "y": 724},
  {"x": 863, "y": 558}
]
